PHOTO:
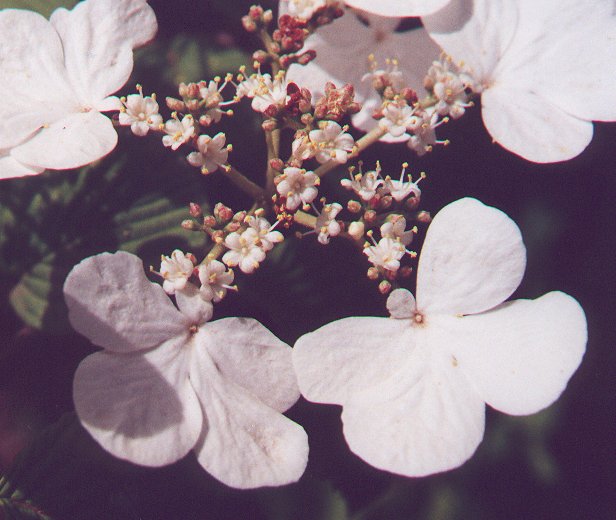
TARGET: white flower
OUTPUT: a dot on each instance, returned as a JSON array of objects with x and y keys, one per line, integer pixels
[
  {"x": 175, "y": 270},
  {"x": 401, "y": 189},
  {"x": 57, "y": 77},
  {"x": 398, "y": 7},
  {"x": 212, "y": 153},
  {"x": 265, "y": 231},
  {"x": 210, "y": 93},
  {"x": 413, "y": 387},
  {"x": 364, "y": 184},
  {"x": 268, "y": 92},
  {"x": 544, "y": 69},
  {"x": 303, "y": 9},
  {"x": 245, "y": 250},
  {"x": 397, "y": 117},
  {"x": 386, "y": 254},
  {"x": 331, "y": 142},
  {"x": 448, "y": 86},
  {"x": 327, "y": 226},
  {"x": 168, "y": 381},
  {"x": 140, "y": 113},
  {"x": 348, "y": 48},
  {"x": 395, "y": 228},
  {"x": 422, "y": 126},
  {"x": 178, "y": 132},
  {"x": 215, "y": 280},
  {"x": 298, "y": 186}
]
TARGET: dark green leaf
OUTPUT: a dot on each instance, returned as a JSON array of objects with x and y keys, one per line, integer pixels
[{"x": 45, "y": 7}]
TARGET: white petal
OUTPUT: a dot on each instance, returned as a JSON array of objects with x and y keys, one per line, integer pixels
[
  {"x": 34, "y": 89},
  {"x": 248, "y": 354},
  {"x": 10, "y": 167},
  {"x": 113, "y": 304},
  {"x": 473, "y": 258},
  {"x": 73, "y": 141},
  {"x": 398, "y": 8},
  {"x": 345, "y": 356},
  {"x": 426, "y": 419},
  {"x": 532, "y": 127},
  {"x": 99, "y": 37},
  {"x": 139, "y": 407},
  {"x": 521, "y": 354},
  {"x": 247, "y": 444},
  {"x": 476, "y": 32},
  {"x": 192, "y": 305},
  {"x": 401, "y": 304}
]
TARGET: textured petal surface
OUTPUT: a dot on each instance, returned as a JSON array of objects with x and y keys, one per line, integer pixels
[
  {"x": 98, "y": 38},
  {"x": 398, "y": 7},
  {"x": 246, "y": 444},
  {"x": 192, "y": 305},
  {"x": 113, "y": 304},
  {"x": 248, "y": 354},
  {"x": 73, "y": 141},
  {"x": 528, "y": 125},
  {"x": 521, "y": 354},
  {"x": 139, "y": 407},
  {"x": 34, "y": 89},
  {"x": 10, "y": 167},
  {"x": 473, "y": 258},
  {"x": 426, "y": 419},
  {"x": 346, "y": 356}
]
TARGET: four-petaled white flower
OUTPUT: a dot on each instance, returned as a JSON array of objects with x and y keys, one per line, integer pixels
[
  {"x": 386, "y": 253},
  {"x": 448, "y": 85},
  {"x": 176, "y": 270},
  {"x": 364, "y": 184},
  {"x": 395, "y": 228},
  {"x": 397, "y": 117},
  {"x": 178, "y": 132},
  {"x": 399, "y": 7},
  {"x": 245, "y": 250},
  {"x": 168, "y": 381},
  {"x": 298, "y": 186},
  {"x": 265, "y": 231},
  {"x": 327, "y": 226},
  {"x": 413, "y": 386},
  {"x": 140, "y": 113},
  {"x": 400, "y": 189},
  {"x": 544, "y": 69},
  {"x": 212, "y": 153},
  {"x": 331, "y": 142},
  {"x": 57, "y": 77},
  {"x": 215, "y": 280}
]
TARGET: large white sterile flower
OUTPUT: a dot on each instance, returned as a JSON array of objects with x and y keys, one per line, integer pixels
[
  {"x": 413, "y": 386},
  {"x": 57, "y": 76},
  {"x": 169, "y": 381},
  {"x": 398, "y": 7},
  {"x": 545, "y": 69},
  {"x": 344, "y": 49}
]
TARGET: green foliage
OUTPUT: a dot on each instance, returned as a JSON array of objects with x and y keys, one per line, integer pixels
[{"x": 45, "y": 7}]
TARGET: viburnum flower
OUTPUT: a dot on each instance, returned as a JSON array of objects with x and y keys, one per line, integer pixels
[
  {"x": 215, "y": 280},
  {"x": 298, "y": 186},
  {"x": 57, "y": 77},
  {"x": 397, "y": 117},
  {"x": 212, "y": 153},
  {"x": 413, "y": 386},
  {"x": 176, "y": 270},
  {"x": 347, "y": 50},
  {"x": 327, "y": 226},
  {"x": 395, "y": 228},
  {"x": 544, "y": 69},
  {"x": 386, "y": 253},
  {"x": 331, "y": 142},
  {"x": 178, "y": 131},
  {"x": 364, "y": 184},
  {"x": 140, "y": 113},
  {"x": 169, "y": 381},
  {"x": 400, "y": 189},
  {"x": 265, "y": 231},
  {"x": 245, "y": 250},
  {"x": 264, "y": 91},
  {"x": 398, "y": 7}
]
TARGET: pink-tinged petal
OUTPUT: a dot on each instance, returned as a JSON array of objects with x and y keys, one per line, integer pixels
[
  {"x": 140, "y": 407},
  {"x": 565, "y": 61},
  {"x": 113, "y": 304},
  {"x": 401, "y": 304},
  {"x": 73, "y": 141},
  {"x": 476, "y": 32},
  {"x": 192, "y": 305},
  {"x": 34, "y": 89},
  {"x": 346, "y": 356},
  {"x": 11, "y": 168},
  {"x": 521, "y": 354},
  {"x": 247, "y": 444},
  {"x": 473, "y": 258},
  {"x": 425, "y": 419},
  {"x": 109, "y": 104},
  {"x": 530, "y": 126},
  {"x": 99, "y": 37},
  {"x": 398, "y": 8},
  {"x": 248, "y": 354}
]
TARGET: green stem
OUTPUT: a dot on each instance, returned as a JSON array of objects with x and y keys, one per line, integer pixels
[
  {"x": 245, "y": 184},
  {"x": 272, "y": 139}
]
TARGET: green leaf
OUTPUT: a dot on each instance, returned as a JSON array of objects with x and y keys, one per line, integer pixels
[{"x": 45, "y": 7}]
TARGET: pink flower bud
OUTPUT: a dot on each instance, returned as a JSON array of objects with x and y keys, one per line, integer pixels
[
  {"x": 353, "y": 206},
  {"x": 190, "y": 225},
  {"x": 384, "y": 287},
  {"x": 195, "y": 210},
  {"x": 175, "y": 104},
  {"x": 373, "y": 273}
]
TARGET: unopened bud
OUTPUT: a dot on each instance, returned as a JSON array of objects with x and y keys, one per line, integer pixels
[
  {"x": 183, "y": 90},
  {"x": 239, "y": 216},
  {"x": 356, "y": 230},
  {"x": 306, "y": 119},
  {"x": 370, "y": 216},
  {"x": 255, "y": 12},
  {"x": 267, "y": 17},
  {"x": 405, "y": 271},
  {"x": 306, "y": 57},
  {"x": 277, "y": 164},
  {"x": 222, "y": 212},
  {"x": 353, "y": 206},
  {"x": 386, "y": 202},
  {"x": 260, "y": 57},
  {"x": 195, "y": 210},
  {"x": 192, "y": 258},
  {"x": 269, "y": 125},
  {"x": 192, "y": 105},
  {"x": 412, "y": 203},
  {"x": 233, "y": 226},
  {"x": 423, "y": 217},
  {"x": 249, "y": 24},
  {"x": 384, "y": 287},
  {"x": 218, "y": 236},
  {"x": 175, "y": 104},
  {"x": 373, "y": 273},
  {"x": 209, "y": 221},
  {"x": 190, "y": 225},
  {"x": 193, "y": 90}
]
